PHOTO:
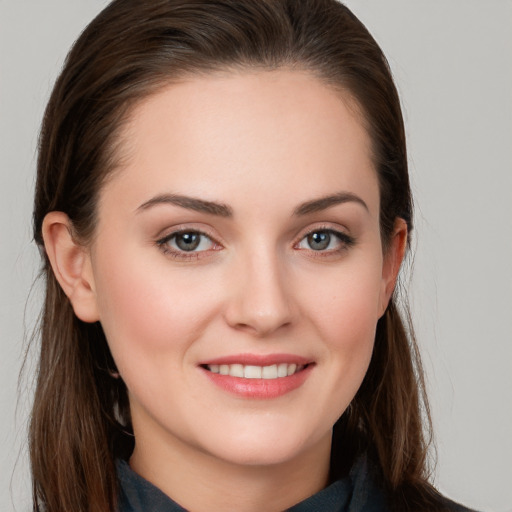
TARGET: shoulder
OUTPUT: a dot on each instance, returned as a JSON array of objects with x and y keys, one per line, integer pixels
[{"x": 372, "y": 495}]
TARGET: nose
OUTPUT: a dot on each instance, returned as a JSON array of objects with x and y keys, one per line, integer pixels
[{"x": 260, "y": 303}]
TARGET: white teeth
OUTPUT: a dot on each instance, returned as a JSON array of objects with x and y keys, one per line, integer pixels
[
  {"x": 282, "y": 370},
  {"x": 252, "y": 372},
  {"x": 236, "y": 370},
  {"x": 256, "y": 372},
  {"x": 269, "y": 372}
]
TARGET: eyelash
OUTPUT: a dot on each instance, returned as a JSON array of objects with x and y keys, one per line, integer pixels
[
  {"x": 345, "y": 241},
  {"x": 163, "y": 244}
]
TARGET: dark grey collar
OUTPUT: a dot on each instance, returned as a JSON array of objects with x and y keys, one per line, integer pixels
[{"x": 355, "y": 493}]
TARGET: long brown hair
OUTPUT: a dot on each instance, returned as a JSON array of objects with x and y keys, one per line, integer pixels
[{"x": 81, "y": 420}]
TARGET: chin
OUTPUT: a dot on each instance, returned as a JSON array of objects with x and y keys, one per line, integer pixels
[
  {"x": 269, "y": 455},
  {"x": 266, "y": 446}
]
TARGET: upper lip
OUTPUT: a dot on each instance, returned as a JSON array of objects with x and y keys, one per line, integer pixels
[{"x": 258, "y": 359}]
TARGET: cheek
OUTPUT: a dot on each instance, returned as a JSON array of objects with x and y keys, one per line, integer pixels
[
  {"x": 148, "y": 310},
  {"x": 346, "y": 303},
  {"x": 348, "y": 327},
  {"x": 345, "y": 310}
]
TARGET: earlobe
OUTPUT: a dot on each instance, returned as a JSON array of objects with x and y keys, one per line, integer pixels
[
  {"x": 392, "y": 261},
  {"x": 71, "y": 265}
]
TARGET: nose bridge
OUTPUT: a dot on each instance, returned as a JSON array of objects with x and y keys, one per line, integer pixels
[{"x": 261, "y": 302}]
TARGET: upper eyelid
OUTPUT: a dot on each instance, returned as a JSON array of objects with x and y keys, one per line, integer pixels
[
  {"x": 336, "y": 229},
  {"x": 162, "y": 242},
  {"x": 172, "y": 234},
  {"x": 167, "y": 234}
]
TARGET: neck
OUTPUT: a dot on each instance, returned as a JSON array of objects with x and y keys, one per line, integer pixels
[{"x": 181, "y": 471}]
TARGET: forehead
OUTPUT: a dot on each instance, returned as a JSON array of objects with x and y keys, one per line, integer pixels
[{"x": 238, "y": 133}]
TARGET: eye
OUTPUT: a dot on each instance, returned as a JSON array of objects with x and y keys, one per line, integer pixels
[
  {"x": 183, "y": 244},
  {"x": 326, "y": 240},
  {"x": 190, "y": 241}
]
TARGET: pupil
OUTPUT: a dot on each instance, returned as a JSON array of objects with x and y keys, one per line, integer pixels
[
  {"x": 319, "y": 240},
  {"x": 188, "y": 241}
]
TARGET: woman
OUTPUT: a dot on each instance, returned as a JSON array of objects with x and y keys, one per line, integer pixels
[{"x": 224, "y": 206}]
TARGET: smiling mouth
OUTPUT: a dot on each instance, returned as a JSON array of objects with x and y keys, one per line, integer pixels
[
  {"x": 258, "y": 377},
  {"x": 274, "y": 371}
]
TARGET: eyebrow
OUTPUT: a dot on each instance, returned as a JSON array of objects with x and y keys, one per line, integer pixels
[
  {"x": 223, "y": 210},
  {"x": 317, "y": 205},
  {"x": 190, "y": 203}
]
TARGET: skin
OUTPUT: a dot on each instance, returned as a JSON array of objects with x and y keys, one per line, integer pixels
[{"x": 261, "y": 144}]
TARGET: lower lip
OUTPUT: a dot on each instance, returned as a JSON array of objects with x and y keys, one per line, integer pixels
[{"x": 259, "y": 388}]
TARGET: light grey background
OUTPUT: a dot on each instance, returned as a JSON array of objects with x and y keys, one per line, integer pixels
[{"x": 453, "y": 63}]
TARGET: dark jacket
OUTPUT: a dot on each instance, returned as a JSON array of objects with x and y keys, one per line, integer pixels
[{"x": 354, "y": 493}]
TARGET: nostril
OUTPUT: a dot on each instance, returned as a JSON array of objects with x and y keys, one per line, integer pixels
[{"x": 262, "y": 327}]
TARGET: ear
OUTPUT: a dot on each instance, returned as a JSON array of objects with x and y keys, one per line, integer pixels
[
  {"x": 391, "y": 263},
  {"x": 71, "y": 265}
]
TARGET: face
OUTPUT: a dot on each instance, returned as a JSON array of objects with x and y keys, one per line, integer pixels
[{"x": 237, "y": 267}]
